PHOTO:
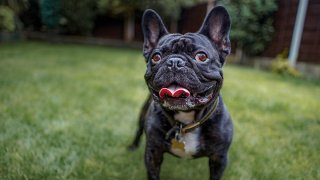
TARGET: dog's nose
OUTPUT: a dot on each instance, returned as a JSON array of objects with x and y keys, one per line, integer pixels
[{"x": 175, "y": 63}]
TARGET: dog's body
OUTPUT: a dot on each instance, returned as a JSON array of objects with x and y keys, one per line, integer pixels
[{"x": 185, "y": 114}]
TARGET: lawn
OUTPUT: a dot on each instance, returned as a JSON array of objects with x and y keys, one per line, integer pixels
[{"x": 69, "y": 111}]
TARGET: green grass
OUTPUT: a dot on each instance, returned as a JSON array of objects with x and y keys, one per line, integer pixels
[{"x": 69, "y": 111}]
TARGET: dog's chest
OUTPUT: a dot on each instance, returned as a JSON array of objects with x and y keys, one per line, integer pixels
[{"x": 189, "y": 141}]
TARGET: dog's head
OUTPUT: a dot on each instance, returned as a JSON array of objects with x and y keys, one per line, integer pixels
[{"x": 184, "y": 70}]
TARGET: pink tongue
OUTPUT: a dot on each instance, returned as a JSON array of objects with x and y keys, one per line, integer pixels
[{"x": 174, "y": 91}]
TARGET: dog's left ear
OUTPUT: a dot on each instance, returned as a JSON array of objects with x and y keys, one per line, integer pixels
[
  {"x": 216, "y": 27},
  {"x": 153, "y": 29}
]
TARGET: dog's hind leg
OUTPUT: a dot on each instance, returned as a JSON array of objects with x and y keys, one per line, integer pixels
[{"x": 141, "y": 121}]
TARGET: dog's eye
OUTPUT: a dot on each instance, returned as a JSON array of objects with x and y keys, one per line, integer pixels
[
  {"x": 156, "y": 57},
  {"x": 201, "y": 57}
]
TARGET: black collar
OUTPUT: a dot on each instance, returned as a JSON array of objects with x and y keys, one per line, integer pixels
[{"x": 182, "y": 128}]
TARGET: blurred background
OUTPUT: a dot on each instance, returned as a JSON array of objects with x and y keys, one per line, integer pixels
[
  {"x": 71, "y": 88},
  {"x": 267, "y": 29}
]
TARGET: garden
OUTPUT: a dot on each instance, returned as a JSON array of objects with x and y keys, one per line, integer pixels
[{"x": 70, "y": 111}]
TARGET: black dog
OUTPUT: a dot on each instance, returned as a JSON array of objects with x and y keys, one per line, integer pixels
[{"x": 185, "y": 114}]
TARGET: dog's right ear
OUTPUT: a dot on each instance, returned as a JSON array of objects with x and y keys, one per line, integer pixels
[{"x": 153, "y": 29}]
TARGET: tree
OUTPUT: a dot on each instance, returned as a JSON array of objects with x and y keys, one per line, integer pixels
[
  {"x": 251, "y": 24},
  {"x": 68, "y": 16},
  {"x": 9, "y": 13},
  {"x": 77, "y": 17},
  {"x": 16, "y": 5},
  {"x": 170, "y": 9},
  {"x": 6, "y": 19},
  {"x": 50, "y": 13}
]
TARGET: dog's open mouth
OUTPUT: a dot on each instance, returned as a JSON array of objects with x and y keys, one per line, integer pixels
[{"x": 176, "y": 97}]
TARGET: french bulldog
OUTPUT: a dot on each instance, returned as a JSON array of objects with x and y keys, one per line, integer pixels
[{"x": 185, "y": 114}]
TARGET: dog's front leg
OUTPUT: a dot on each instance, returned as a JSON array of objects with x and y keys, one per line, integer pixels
[
  {"x": 217, "y": 164},
  {"x": 153, "y": 160}
]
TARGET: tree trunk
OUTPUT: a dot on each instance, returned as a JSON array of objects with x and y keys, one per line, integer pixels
[
  {"x": 129, "y": 27},
  {"x": 239, "y": 56}
]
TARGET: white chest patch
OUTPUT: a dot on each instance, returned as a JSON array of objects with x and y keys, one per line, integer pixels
[
  {"x": 185, "y": 117},
  {"x": 191, "y": 144},
  {"x": 190, "y": 139}
]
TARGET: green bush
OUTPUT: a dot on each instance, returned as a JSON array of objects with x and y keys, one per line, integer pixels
[
  {"x": 281, "y": 65},
  {"x": 252, "y": 28},
  {"x": 69, "y": 16},
  {"x": 7, "y": 19},
  {"x": 50, "y": 13},
  {"x": 78, "y": 16}
]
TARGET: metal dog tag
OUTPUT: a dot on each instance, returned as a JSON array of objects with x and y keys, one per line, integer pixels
[{"x": 177, "y": 144}]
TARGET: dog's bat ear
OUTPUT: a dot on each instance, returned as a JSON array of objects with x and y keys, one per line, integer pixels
[
  {"x": 153, "y": 29},
  {"x": 216, "y": 27}
]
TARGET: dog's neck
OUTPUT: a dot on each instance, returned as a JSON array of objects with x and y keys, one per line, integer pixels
[
  {"x": 194, "y": 118},
  {"x": 185, "y": 117}
]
